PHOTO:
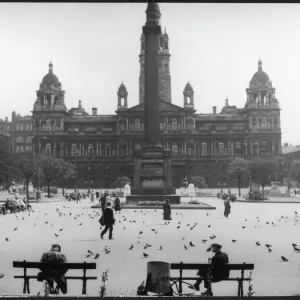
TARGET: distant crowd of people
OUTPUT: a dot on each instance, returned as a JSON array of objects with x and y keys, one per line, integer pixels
[{"x": 102, "y": 198}]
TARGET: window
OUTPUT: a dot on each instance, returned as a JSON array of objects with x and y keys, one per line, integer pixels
[
  {"x": 18, "y": 148},
  {"x": 254, "y": 122},
  {"x": 161, "y": 126},
  {"x": 21, "y": 127},
  {"x": 174, "y": 124},
  {"x": 264, "y": 124},
  {"x": 190, "y": 126},
  {"x": 107, "y": 150},
  {"x": 137, "y": 124},
  {"x": 18, "y": 126},
  {"x": 28, "y": 139},
  {"x": 238, "y": 145},
  {"x": 174, "y": 149},
  {"x": 137, "y": 147},
  {"x": 221, "y": 149},
  {"x": 73, "y": 150},
  {"x": 91, "y": 150},
  {"x": 204, "y": 149},
  {"x": 27, "y": 126},
  {"x": 27, "y": 147},
  {"x": 48, "y": 125},
  {"x": 122, "y": 127},
  {"x": 189, "y": 151},
  {"x": 48, "y": 149},
  {"x": 275, "y": 122},
  {"x": 19, "y": 139}
]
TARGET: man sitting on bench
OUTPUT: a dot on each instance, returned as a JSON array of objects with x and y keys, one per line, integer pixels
[
  {"x": 214, "y": 273},
  {"x": 57, "y": 275}
]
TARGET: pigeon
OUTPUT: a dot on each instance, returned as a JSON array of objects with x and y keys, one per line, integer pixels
[
  {"x": 145, "y": 254},
  {"x": 191, "y": 244},
  {"x": 153, "y": 229},
  {"x": 294, "y": 245},
  {"x": 88, "y": 255},
  {"x": 146, "y": 247},
  {"x": 149, "y": 245},
  {"x": 7, "y": 239},
  {"x": 160, "y": 248},
  {"x": 208, "y": 226},
  {"x": 131, "y": 247},
  {"x": 56, "y": 234},
  {"x": 257, "y": 243},
  {"x": 97, "y": 255},
  {"x": 140, "y": 232},
  {"x": 284, "y": 259},
  {"x": 178, "y": 227},
  {"x": 243, "y": 227},
  {"x": 207, "y": 214},
  {"x": 296, "y": 249},
  {"x": 80, "y": 223},
  {"x": 270, "y": 250},
  {"x": 89, "y": 251},
  {"x": 185, "y": 247},
  {"x": 233, "y": 241},
  {"x": 16, "y": 228},
  {"x": 204, "y": 241},
  {"x": 61, "y": 229},
  {"x": 268, "y": 246}
]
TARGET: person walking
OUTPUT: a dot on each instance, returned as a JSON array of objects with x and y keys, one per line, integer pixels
[
  {"x": 215, "y": 273},
  {"x": 167, "y": 210},
  {"x": 109, "y": 220},
  {"x": 117, "y": 204},
  {"x": 103, "y": 202},
  {"x": 227, "y": 207},
  {"x": 92, "y": 197}
]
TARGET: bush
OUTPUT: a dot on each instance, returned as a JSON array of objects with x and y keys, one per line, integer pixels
[
  {"x": 194, "y": 202},
  {"x": 150, "y": 203}
]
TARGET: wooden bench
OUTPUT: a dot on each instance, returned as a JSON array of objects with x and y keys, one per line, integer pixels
[
  {"x": 190, "y": 266},
  {"x": 70, "y": 266}
]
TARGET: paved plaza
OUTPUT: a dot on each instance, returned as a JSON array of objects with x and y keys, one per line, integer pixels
[{"x": 127, "y": 268}]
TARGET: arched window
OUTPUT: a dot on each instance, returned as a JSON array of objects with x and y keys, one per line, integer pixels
[
  {"x": 48, "y": 149},
  {"x": 48, "y": 125},
  {"x": 19, "y": 139},
  {"x": 91, "y": 150},
  {"x": 204, "y": 149},
  {"x": 107, "y": 150},
  {"x": 137, "y": 124},
  {"x": 174, "y": 124},
  {"x": 73, "y": 150},
  {"x": 174, "y": 149},
  {"x": 137, "y": 146}
]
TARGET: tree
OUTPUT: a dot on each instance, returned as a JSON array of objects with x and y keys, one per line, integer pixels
[
  {"x": 198, "y": 181},
  {"x": 53, "y": 168},
  {"x": 238, "y": 168},
  {"x": 262, "y": 170},
  {"x": 120, "y": 182},
  {"x": 295, "y": 170}
]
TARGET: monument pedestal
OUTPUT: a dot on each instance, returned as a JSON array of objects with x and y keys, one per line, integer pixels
[{"x": 152, "y": 176}]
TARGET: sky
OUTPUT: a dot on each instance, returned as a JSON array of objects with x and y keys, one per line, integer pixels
[{"x": 95, "y": 46}]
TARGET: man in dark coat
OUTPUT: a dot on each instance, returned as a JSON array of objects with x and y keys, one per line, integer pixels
[
  {"x": 109, "y": 220},
  {"x": 215, "y": 273},
  {"x": 167, "y": 210},
  {"x": 58, "y": 275}
]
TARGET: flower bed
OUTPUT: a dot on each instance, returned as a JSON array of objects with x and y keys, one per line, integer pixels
[
  {"x": 194, "y": 202},
  {"x": 150, "y": 203}
]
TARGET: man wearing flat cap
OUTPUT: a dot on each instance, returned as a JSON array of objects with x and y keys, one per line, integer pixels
[{"x": 215, "y": 273}]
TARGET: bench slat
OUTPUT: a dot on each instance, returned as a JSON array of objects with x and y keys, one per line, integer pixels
[
  {"x": 190, "y": 266},
  {"x": 67, "y": 277},
  {"x": 196, "y": 278},
  {"x": 37, "y": 265}
]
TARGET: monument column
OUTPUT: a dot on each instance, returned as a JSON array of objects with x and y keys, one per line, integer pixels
[{"x": 152, "y": 32}]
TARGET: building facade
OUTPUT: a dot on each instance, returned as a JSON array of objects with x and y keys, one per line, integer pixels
[
  {"x": 5, "y": 140},
  {"x": 102, "y": 146}
]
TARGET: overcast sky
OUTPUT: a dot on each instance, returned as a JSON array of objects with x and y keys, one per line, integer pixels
[{"x": 95, "y": 46}]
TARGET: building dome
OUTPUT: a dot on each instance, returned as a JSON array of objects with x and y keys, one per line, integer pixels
[
  {"x": 78, "y": 111},
  {"x": 188, "y": 87},
  {"x": 50, "y": 79},
  {"x": 122, "y": 88},
  {"x": 274, "y": 103},
  {"x": 260, "y": 77}
]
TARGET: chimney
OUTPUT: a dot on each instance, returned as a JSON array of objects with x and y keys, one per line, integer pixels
[
  {"x": 214, "y": 110},
  {"x": 94, "y": 109}
]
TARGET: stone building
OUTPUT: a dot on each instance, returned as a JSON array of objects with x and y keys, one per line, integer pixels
[
  {"x": 5, "y": 140},
  {"x": 102, "y": 146}
]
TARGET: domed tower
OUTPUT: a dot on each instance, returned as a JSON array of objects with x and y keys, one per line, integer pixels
[
  {"x": 50, "y": 95},
  {"x": 164, "y": 68},
  {"x": 263, "y": 114},
  {"x": 122, "y": 97},
  {"x": 188, "y": 96}
]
